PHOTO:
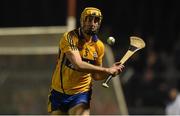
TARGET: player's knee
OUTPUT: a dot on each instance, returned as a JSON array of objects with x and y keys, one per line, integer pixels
[
  {"x": 80, "y": 109},
  {"x": 57, "y": 112}
]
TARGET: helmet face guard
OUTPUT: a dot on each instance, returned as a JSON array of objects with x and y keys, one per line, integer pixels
[{"x": 89, "y": 13}]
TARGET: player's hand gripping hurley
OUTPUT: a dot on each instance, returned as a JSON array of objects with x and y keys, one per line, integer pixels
[{"x": 136, "y": 44}]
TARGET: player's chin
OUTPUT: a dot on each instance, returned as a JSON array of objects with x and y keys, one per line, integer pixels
[{"x": 90, "y": 32}]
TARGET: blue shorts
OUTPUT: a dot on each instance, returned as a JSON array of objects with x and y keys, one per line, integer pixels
[{"x": 63, "y": 102}]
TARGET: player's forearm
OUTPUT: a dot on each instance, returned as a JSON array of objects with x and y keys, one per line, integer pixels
[
  {"x": 75, "y": 58},
  {"x": 86, "y": 67}
]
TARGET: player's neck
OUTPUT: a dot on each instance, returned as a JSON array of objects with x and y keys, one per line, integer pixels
[{"x": 88, "y": 38}]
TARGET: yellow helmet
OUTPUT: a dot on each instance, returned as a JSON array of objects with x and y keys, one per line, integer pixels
[{"x": 90, "y": 11}]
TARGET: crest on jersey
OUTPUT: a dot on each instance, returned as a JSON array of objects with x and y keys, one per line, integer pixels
[{"x": 95, "y": 55}]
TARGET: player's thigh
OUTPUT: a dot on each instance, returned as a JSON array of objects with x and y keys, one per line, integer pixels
[{"x": 79, "y": 109}]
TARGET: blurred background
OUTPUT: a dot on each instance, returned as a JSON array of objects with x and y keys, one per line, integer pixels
[{"x": 31, "y": 29}]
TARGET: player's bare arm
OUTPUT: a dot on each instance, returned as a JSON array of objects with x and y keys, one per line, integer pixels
[{"x": 75, "y": 58}]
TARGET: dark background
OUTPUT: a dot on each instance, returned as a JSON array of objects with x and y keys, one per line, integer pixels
[{"x": 157, "y": 18}]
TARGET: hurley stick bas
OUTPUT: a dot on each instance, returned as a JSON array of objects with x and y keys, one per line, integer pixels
[{"x": 136, "y": 43}]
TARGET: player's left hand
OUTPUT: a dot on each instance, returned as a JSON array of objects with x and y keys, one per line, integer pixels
[{"x": 119, "y": 66}]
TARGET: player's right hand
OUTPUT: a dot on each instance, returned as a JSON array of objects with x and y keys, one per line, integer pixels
[{"x": 115, "y": 69}]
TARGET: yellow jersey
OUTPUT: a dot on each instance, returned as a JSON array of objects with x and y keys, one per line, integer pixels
[{"x": 65, "y": 78}]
